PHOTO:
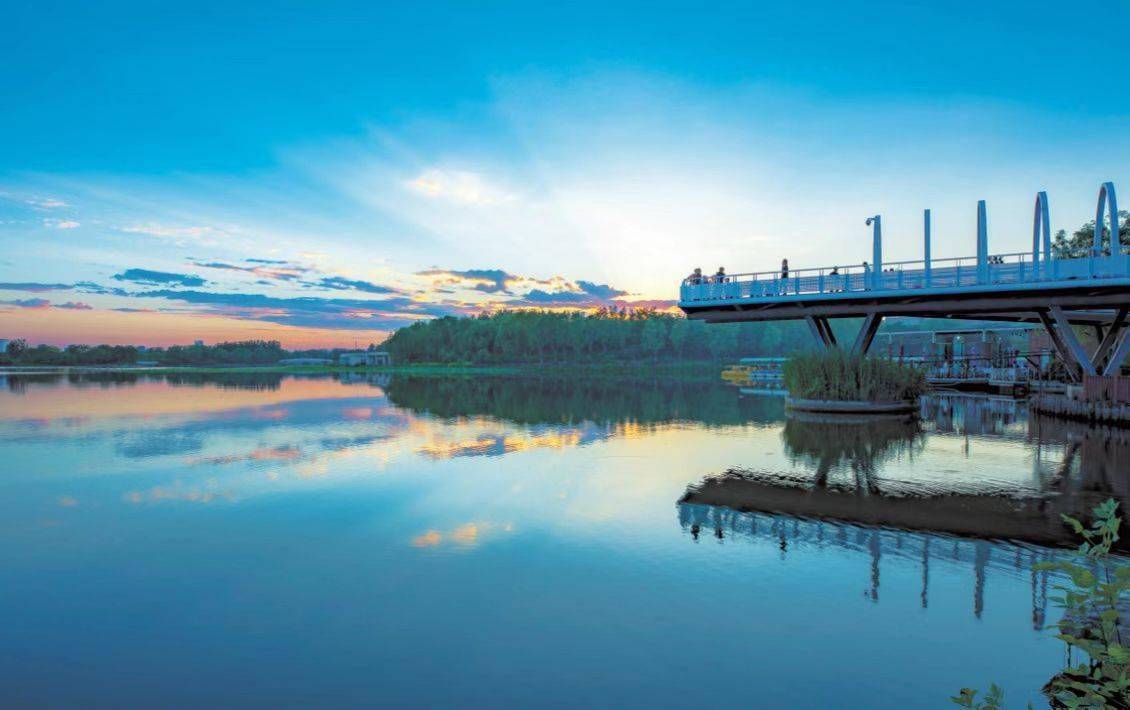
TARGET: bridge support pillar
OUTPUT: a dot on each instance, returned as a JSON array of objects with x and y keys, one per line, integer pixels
[
  {"x": 1113, "y": 338},
  {"x": 1114, "y": 364},
  {"x": 1066, "y": 343},
  {"x": 867, "y": 334},
  {"x": 822, "y": 331}
]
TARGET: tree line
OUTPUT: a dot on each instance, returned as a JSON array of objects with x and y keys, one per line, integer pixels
[
  {"x": 245, "y": 352},
  {"x": 605, "y": 335}
]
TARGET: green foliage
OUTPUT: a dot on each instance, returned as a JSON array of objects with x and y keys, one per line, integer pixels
[
  {"x": 1079, "y": 243},
  {"x": 512, "y": 337},
  {"x": 1091, "y": 622},
  {"x": 243, "y": 352},
  {"x": 839, "y": 375},
  {"x": 994, "y": 699},
  {"x": 19, "y": 353}
]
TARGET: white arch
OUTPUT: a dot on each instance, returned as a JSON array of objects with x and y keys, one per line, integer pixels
[
  {"x": 1107, "y": 199},
  {"x": 1041, "y": 232}
]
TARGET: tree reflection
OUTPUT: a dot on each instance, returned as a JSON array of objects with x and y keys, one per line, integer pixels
[
  {"x": 566, "y": 400},
  {"x": 861, "y": 443}
]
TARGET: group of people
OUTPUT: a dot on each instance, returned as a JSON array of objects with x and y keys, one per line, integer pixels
[{"x": 697, "y": 278}]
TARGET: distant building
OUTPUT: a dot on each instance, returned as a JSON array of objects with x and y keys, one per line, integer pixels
[
  {"x": 306, "y": 361},
  {"x": 373, "y": 358},
  {"x": 4, "y": 345}
]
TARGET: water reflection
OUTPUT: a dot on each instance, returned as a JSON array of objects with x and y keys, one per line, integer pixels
[
  {"x": 533, "y": 515},
  {"x": 841, "y": 461},
  {"x": 976, "y": 557},
  {"x": 860, "y": 443},
  {"x": 528, "y": 400}
]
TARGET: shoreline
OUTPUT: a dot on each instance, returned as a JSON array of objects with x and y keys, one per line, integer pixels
[{"x": 687, "y": 369}]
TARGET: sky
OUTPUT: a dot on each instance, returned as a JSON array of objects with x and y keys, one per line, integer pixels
[{"x": 324, "y": 173}]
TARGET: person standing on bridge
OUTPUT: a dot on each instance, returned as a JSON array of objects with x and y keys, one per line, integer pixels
[
  {"x": 695, "y": 279},
  {"x": 720, "y": 277},
  {"x": 784, "y": 268}
]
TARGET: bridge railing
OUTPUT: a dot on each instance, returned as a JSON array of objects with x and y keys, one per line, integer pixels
[{"x": 1009, "y": 268}]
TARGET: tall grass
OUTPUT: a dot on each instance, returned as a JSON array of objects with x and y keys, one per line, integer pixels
[{"x": 839, "y": 375}]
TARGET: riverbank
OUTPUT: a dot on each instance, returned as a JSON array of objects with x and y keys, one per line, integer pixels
[
  {"x": 1081, "y": 410},
  {"x": 682, "y": 369}
]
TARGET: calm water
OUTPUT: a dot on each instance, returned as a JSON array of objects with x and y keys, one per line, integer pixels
[{"x": 276, "y": 541}]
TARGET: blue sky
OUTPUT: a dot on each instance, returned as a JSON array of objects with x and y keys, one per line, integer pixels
[{"x": 400, "y": 161}]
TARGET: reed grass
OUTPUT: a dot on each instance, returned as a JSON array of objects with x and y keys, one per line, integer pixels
[{"x": 840, "y": 376}]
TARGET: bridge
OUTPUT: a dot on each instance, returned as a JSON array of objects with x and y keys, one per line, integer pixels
[{"x": 1036, "y": 287}]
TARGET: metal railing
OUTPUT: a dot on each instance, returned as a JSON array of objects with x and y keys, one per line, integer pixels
[{"x": 998, "y": 269}]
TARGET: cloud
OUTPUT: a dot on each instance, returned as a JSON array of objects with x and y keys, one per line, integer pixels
[
  {"x": 157, "y": 278},
  {"x": 34, "y": 303},
  {"x": 272, "y": 269},
  {"x": 459, "y": 186},
  {"x": 45, "y": 202},
  {"x": 43, "y": 304},
  {"x": 339, "y": 283},
  {"x": 487, "y": 280},
  {"x": 33, "y": 287},
  {"x": 602, "y": 291},
  {"x": 60, "y": 223},
  {"x": 91, "y": 287},
  {"x": 161, "y": 230},
  {"x": 336, "y": 313},
  {"x": 579, "y": 294}
]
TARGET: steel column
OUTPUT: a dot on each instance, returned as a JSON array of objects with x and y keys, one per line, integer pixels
[
  {"x": 1070, "y": 342},
  {"x": 829, "y": 336},
  {"x": 866, "y": 334},
  {"x": 926, "y": 245},
  {"x": 1107, "y": 342},
  {"x": 1041, "y": 233},
  {"x": 817, "y": 331},
  {"x": 876, "y": 223},
  {"x": 1114, "y": 365},
  {"x": 821, "y": 330},
  {"x": 1107, "y": 199},
  {"x": 982, "y": 243}
]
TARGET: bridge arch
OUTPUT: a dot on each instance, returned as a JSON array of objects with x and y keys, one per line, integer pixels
[
  {"x": 1107, "y": 203},
  {"x": 1041, "y": 233}
]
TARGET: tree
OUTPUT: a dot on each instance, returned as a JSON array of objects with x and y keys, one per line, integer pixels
[
  {"x": 17, "y": 347},
  {"x": 654, "y": 337},
  {"x": 1080, "y": 242}
]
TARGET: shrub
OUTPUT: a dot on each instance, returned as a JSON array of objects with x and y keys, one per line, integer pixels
[
  {"x": 1098, "y": 661},
  {"x": 839, "y": 375}
]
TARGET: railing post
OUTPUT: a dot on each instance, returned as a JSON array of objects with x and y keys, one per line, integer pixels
[{"x": 926, "y": 236}]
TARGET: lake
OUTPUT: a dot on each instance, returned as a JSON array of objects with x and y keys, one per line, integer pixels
[{"x": 269, "y": 540}]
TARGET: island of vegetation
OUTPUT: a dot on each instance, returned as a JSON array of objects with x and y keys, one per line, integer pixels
[{"x": 838, "y": 381}]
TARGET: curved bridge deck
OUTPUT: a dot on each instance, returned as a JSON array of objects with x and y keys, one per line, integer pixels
[{"x": 1040, "y": 285}]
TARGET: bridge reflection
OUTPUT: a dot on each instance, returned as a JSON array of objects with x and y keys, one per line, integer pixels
[
  {"x": 834, "y": 495},
  {"x": 790, "y": 532}
]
